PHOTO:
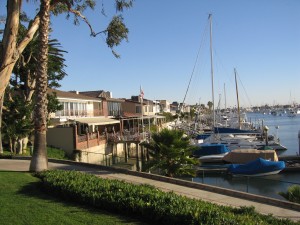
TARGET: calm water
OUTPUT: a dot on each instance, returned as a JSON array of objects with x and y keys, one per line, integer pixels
[
  {"x": 266, "y": 186},
  {"x": 287, "y": 131},
  {"x": 286, "y": 128}
]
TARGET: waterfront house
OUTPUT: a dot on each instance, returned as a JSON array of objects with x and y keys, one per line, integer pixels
[
  {"x": 83, "y": 124},
  {"x": 98, "y": 126}
]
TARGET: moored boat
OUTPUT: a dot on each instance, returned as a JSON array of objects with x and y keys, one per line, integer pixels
[
  {"x": 216, "y": 158},
  {"x": 258, "y": 167},
  {"x": 210, "y": 152}
]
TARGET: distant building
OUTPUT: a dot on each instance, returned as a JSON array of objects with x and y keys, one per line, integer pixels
[{"x": 164, "y": 106}]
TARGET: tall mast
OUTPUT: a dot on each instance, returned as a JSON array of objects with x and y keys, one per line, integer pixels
[
  {"x": 225, "y": 97},
  {"x": 212, "y": 71},
  {"x": 237, "y": 97}
]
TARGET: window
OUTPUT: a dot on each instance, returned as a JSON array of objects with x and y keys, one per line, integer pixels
[
  {"x": 114, "y": 108},
  {"x": 138, "y": 109},
  {"x": 150, "y": 108},
  {"x": 72, "y": 109}
]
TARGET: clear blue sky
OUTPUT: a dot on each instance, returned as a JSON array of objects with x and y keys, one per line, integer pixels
[{"x": 260, "y": 38}]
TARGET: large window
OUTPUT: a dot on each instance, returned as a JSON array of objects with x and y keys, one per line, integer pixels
[
  {"x": 98, "y": 109},
  {"x": 72, "y": 109},
  {"x": 114, "y": 108}
]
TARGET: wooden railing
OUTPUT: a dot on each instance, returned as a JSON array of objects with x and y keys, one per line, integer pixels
[{"x": 94, "y": 139}]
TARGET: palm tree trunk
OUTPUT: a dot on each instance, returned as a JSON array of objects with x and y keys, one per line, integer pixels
[{"x": 39, "y": 159}]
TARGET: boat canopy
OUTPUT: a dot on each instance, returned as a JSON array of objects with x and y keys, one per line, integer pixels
[
  {"x": 229, "y": 130},
  {"x": 210, "y": 149},
  {"x": 203, "y": 136},
  {"x": 247, "y": 155}
]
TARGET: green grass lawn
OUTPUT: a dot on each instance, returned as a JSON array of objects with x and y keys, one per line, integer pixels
[
  {"x": 51, "y": 153},
  {"x": 22, "y": 202}
]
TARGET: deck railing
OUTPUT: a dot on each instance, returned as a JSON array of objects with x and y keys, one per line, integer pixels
[{"x": 93, "y": 139}]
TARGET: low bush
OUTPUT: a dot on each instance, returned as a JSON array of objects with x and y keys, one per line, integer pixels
[
  {"x": 292, "y": 194},
  {"x": 145, "y": 201},
  {"x": 53, "y": 153}
]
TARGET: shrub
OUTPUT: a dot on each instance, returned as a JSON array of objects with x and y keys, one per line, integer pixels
[
  {"x": 292, "y": 194},
  {"x": 145, "y": 201},
  {"x": 56, "y": 153}
]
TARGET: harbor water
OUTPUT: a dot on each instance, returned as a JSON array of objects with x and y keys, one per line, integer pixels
[{"x": 284, "y": 127}]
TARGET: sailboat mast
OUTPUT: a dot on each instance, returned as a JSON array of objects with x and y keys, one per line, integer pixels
[
  {"x": 212, "y": 71},
  {"x": 225, "y": 97},
  {"x": 237, "y": 97}
]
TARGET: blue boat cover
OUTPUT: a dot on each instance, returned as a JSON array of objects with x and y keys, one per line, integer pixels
[
  {"x": 229, "y": 130},
  {"x": 210, "y": 149},
  {"x": 202, "y": 136},
  {"x": 257, "y": 166}
]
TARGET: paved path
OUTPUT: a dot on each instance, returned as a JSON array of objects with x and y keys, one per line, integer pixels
[{"x": 23, "y": 165}]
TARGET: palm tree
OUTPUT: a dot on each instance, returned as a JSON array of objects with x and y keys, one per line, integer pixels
[
  {"x": 210, "y": 105},
  {"x": 170, "y": 153},
  {"x": 39, "y": 159}
]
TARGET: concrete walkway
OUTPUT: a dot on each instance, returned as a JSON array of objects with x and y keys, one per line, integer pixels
[{"x": 222, "y": 199}]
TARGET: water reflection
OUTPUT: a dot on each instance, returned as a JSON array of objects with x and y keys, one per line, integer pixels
[{"x": 268, "y": 186}]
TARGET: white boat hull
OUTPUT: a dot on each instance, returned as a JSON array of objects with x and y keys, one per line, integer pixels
[
  {"x": 212, "y": 158},
  {"x": 257, "y": 175}
]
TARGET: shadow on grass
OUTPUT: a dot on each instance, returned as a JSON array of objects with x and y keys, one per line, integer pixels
[{"x": 35, "y": 190}]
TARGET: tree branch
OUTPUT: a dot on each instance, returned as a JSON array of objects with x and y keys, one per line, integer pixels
[
  {"x": 33, "y": 27},
  {"x": 77, "y": 13}
]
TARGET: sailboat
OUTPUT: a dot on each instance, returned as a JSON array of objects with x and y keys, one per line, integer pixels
[{"x": 237, "y": 139}]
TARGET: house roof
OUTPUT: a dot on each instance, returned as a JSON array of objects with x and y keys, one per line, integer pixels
[
  {"x": 138, "y": 115},
  {"x": 135, "y": 102},
  {"x": 101, "y": 94},
  {"x": 96, "y": 94},
  {"x": 71, "y": 95},
  {"x": 96, "y": 121}
]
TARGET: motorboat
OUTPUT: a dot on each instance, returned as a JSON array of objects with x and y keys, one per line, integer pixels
[
  {"x": 241, "y": 141},
  {"x": 210, "y": 152},
  {"x": 215, "y": 158},
  {"x": 258, "y": 167}
]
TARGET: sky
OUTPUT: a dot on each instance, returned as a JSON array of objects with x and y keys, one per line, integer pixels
[{"x": 168, "y": 51}]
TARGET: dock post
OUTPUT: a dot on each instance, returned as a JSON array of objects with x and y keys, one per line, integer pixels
[
  {"x": 137, "y": 157},
  {"x": 125, "y": 151}
]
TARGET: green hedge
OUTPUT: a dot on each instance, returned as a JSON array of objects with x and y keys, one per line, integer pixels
[
  {"x": 145, "y": 201},
  {"x": 292, "y": 194},
  {"x": 52, "y": 152}
]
